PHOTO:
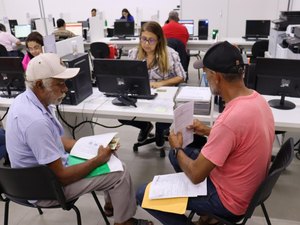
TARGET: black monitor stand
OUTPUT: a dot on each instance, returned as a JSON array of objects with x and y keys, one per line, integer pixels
[
  {"x": 281, "y": 103},
  {"x": 124, "y": 100}
]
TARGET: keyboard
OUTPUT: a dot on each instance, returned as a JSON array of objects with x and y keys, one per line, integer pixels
[
  {"x": 121, "y": 39},
  {"x": 254, "y": 38},
  {"x": 147, "y": 97}
]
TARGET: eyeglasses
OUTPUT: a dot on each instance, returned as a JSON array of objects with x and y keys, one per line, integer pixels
[{"x": 151, "y": 41}]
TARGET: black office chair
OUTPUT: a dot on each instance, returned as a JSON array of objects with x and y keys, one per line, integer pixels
[
  {"x": 38, "y": 183},
  {"x": 280, "y": 163},
  {"x": 99, "y": 50},
  {"x": 179, "y": 47},
  {"x": 3, "y": 51},
  {"x": 258, "y": 49}
]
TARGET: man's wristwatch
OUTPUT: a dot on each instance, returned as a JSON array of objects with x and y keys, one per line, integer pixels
[{"x": 176, "y": 150}]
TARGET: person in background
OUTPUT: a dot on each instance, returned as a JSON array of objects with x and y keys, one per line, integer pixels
[
  {"x": 34, "y": 45},
  {"x": 237, "y": 154},
  {"x": 127, "y": 16},
  {"x": 31, "y": 115},
  {"x": 173, "y": 29},
  {"x": 164, "y": 69},
  {"x": 9, "y": 41},
  {"x": 93, "y": 14},
  {"x": 61, "y": 32}
]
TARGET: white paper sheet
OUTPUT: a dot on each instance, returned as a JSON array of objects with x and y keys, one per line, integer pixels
[
  {"x": 199, "y": 94},
  {"x": 175, "y": 185},
  {"x": 183, "y": 116},
  {"x": 87, "y": 147}
]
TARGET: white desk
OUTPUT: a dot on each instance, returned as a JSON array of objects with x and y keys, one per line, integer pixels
[
  {"x": 286, "y": 120},
  {"x": 161, "y": 109},
  {"x": 201, "y": 45}
]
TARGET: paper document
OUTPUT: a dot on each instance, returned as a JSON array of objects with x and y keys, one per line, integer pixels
[
  {"x": 194, "y": 94},
  {"x": 175, "y": 185},
  {"x": 172, "y": 205},
  {"x": 87, "y": 147},
  {"x": 183, "y": 117}
]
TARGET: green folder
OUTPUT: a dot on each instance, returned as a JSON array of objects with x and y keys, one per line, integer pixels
[{"x": 103, "y": 169}]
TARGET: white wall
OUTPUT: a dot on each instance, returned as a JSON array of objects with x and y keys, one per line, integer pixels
[
  {"x": 74, "y": 10},
  {"x": 229, "y": 16}
]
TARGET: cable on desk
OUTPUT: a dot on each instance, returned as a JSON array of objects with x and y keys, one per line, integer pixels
[
  {"x": 2, "y": 118},
  {"x": 83, "y": 122},
  {"x": 64, "y": 121}
]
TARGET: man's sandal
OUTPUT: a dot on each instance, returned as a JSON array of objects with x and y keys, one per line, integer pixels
[
  {"x": 141, "y": 222},
  {"x": 108, "y": 210}
]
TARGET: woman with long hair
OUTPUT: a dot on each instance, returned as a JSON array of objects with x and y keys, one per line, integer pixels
[{"x": 164, "y": 68}]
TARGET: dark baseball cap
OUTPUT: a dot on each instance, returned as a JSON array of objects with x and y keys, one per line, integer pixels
[{"x": 222, "y": 57}]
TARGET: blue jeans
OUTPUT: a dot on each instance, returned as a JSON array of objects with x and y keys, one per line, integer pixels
[
  {"x": 202, "y": 205},
  {"x": 2, "y": 144}
]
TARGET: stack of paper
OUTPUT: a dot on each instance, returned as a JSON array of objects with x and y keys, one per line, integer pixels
[
  {"x": 87, "y": 148},
  {"x": 201, "y": 96},
  {"x": 170, "y": 192}
]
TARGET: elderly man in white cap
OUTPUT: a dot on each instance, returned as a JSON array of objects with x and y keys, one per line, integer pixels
[{"x": 34, "y": 136}]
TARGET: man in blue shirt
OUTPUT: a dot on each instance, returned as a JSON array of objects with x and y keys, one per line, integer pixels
[{"x": 34, "y": 136}]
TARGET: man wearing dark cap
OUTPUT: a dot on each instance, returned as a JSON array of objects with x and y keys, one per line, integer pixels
[
  {"x": 35, "y": 137},
  {"x": 173, "y": 29},
  {"x": 237, "y": 154}
]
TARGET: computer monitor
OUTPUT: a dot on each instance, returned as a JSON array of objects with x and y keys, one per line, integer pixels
[
  {"x": 123, "y": 78},
  {"x": 75, "y": 28},
  {"x": 22, "y": 31},
  {"x": 189, "y": 24},
  {"x": 274, "y": 76},
  {"x": 123, "y": 28},
  {"x": 12, "y": 24},
  {"x": 257, "y": 28},
  {"x": 85, "y": 23},
  {"x": 32, "y": 23},
  {"x": 11, "y": 76}
]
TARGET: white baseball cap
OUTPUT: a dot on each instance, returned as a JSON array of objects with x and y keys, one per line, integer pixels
[{"x": 48, "y": 65}]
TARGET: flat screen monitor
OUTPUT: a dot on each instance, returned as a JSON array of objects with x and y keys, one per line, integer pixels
[
  {"x": 32, "y": 23},
  {"x": 123, "y": 28},
  {"x": 123, "y": 78},
  {"x": 22, "y": 31},
  {"x": 85, "y": 23},
  {"x": 75, "y": 28},
  {"x": 11, "y": 76},
  {"x": 189, "y": 24},
  {"x": 280, "y": 77},
  {"x": 12, "y": 24},
  {"x": 257, "y": 28}
]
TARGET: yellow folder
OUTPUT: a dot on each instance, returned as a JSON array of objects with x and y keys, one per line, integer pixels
[{"x": 172, "y": 205}]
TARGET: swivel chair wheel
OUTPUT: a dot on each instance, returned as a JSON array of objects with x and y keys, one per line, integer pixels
[
  {"x": 135, "y": 148},
  {"x": 298, "y": 155},
  {"x": 162, "y": 153}
]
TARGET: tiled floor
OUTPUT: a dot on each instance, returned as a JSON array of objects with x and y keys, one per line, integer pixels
[{"x": 283, "y": 205}]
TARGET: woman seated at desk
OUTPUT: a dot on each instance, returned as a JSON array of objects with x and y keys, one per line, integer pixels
[
  {"x": 164, "y": 68},
  {"x": 34, "y": 45},
  {"x": 127, "y": 16}
]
